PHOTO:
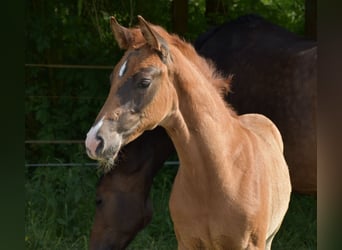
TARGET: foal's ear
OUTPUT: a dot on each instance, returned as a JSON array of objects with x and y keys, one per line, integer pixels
[
  {"x": 122, "y": 35},
  {"x": 153, "y": 38}
]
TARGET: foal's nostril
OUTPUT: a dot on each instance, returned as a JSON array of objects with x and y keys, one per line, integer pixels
[
  {"x": 101, "y": 142},
  {"x": 99, "y": 138}
]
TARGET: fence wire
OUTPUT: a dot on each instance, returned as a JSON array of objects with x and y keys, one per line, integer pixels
[{"x": 30, "y": 165}]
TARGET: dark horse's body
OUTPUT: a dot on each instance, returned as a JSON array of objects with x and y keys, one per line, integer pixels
[
  {"x": 275, "y": 74},
  {"x": 259, "y": 55},
  {"x": 123, "y": 205}
]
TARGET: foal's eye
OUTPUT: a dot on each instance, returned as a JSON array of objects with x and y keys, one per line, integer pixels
[{"x": 144, "y": 83}]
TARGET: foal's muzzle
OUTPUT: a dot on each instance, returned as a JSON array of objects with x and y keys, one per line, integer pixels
[{"x": 102, "y": 143}]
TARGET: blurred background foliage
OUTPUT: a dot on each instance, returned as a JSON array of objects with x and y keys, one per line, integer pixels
[{"x": 61, "y": 103}]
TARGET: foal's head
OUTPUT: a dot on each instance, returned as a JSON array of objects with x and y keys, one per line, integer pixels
[
  {"x": 143, "y": 90},
  {"x": 140, "y": 94}
]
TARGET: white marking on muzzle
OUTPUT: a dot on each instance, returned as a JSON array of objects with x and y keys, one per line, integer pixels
[
  {"x": 123, "y": 69},
  {"x": 91, "y": 141}
]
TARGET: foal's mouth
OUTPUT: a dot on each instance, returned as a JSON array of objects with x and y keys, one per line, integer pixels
[
  {"x": 107, "y": 159},
  {"x": 106, "y": 166}
]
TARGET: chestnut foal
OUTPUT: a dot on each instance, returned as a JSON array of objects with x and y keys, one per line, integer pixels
[{"x": 232, "y": 189}]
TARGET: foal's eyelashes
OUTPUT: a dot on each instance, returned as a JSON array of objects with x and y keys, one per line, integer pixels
[{"x": 144, "y": 83}]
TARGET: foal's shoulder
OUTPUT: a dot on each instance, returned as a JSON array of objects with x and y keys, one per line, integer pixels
[
  {"x": 256, "y": 120},
  {"x": 263, "y": 127}
]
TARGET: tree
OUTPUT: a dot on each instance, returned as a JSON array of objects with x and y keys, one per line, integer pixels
[
  {"x": 180, "y": 16},
  {"x": 311, "y": 19}
]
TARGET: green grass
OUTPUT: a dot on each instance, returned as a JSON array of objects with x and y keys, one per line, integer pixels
[
  {"x": 299, "y": 229},
  {"x": 60, "y": 208}
]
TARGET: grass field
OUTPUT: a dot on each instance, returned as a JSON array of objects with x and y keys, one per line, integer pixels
[{"x": 60, "y": 207}]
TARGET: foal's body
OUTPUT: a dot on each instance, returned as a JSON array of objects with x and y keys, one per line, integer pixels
[
  {"x": 223, "y": 196},
  {"x": 232, "y": 189}
]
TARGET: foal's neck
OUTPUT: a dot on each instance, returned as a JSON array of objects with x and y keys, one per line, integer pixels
[{"x": 202, "y": 128}]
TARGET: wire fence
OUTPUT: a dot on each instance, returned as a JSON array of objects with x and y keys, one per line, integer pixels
[
  {"x": 89, "y": 164},
  {"x": 68, "y": 66},
  {"x": 54, "y": 141},
  {"x": 71, "y": 164}
]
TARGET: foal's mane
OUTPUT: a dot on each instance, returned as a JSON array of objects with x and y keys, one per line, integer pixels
[{"x": 206, "y": 66}]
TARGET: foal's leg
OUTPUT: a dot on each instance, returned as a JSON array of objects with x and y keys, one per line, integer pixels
[{"x": 270, "y": 239}]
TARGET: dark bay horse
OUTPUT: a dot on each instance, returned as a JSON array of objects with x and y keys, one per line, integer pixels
[
  {"x": 123, "y": 205},
  {"x": 275, "y": 74},
  {"x": 232, "y": 188}
]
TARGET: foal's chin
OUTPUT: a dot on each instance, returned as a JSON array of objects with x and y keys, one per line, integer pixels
[
  {"x": 108, "y": 163},
  {"x": 108, "y": 158}
]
